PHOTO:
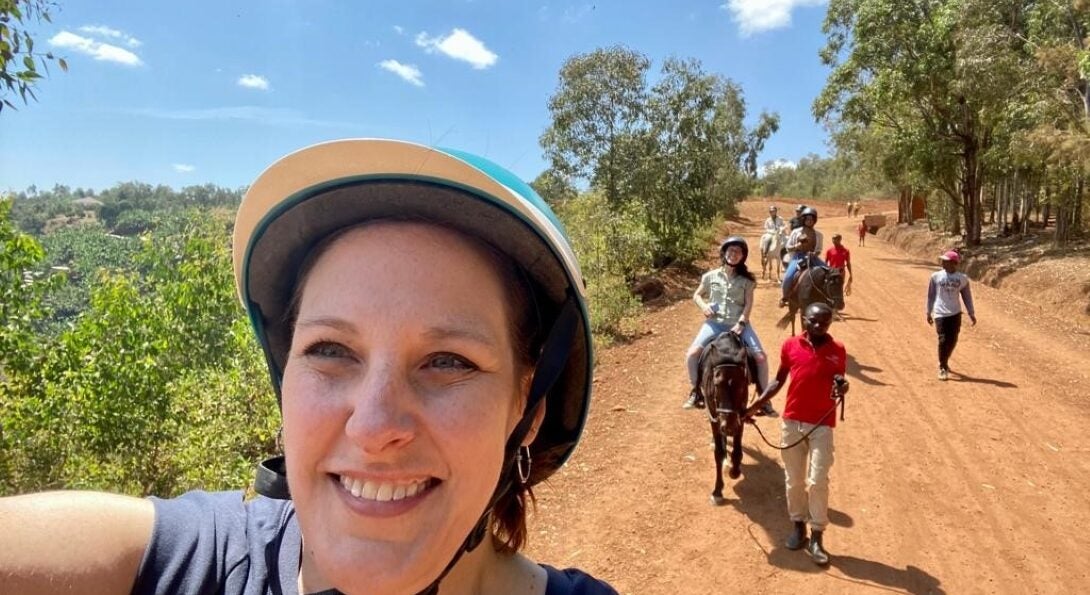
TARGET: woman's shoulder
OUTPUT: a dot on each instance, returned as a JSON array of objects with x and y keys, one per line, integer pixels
[{"x": 572, "y": 581}]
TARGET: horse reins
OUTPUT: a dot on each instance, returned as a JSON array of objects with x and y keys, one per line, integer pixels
[{"x": 838, "y": 402}]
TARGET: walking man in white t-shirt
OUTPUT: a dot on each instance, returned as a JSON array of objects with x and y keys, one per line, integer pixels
[{"x": 947, "y": 289}]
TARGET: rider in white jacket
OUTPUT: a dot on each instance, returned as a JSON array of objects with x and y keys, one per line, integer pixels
[{"x": 774, "y": 224}]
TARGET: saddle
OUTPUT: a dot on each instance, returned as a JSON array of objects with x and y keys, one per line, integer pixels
[{"x": 804, "y": 265}]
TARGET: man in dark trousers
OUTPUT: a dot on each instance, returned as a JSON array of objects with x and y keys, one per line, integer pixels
[
  {"x": 816, "y": 364},
  {"x": 947, "y": 289}
]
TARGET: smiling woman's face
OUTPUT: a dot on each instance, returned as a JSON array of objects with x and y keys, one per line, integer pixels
[{"x": 399, "y": 393}]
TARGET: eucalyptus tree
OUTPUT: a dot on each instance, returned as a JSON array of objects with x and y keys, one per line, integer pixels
[
  {"x": 936, "y": 73},
  {"x": 597, "y": 111},
  {"x": 700, "y": 155}
]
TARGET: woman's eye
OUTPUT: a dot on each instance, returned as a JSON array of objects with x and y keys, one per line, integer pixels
[
  {"x": 327, "y": 349},
  {"x": 449, "y": 361}
]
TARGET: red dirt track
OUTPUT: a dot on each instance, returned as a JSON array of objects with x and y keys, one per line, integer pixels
[{"x": 977, "y": 485}]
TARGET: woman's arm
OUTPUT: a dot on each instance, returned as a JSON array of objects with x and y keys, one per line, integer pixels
[{"x": 75, "y": 542}]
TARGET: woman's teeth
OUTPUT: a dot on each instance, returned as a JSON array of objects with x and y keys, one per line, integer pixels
[{"x": 381, "y": 491}]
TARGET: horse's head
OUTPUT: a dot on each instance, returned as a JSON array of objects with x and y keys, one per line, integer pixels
[
  {"x": 724, "y": 377},
  {"x": 834, "y": 288}
]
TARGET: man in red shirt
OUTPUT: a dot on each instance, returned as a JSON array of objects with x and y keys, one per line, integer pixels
[
  {"x": 839, "y": 257},
  {"x": 816, "y": 363}
]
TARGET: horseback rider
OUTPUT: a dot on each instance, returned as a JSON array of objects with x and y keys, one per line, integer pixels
[
  {"x": 774, "y": 224},
  {"x": 804, "y": 244},
  {"x": 725, "y": 296},
  {"x": 796, "y": 221}
]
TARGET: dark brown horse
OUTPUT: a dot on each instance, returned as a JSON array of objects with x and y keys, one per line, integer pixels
[
  {"x": 814, "y": 284},
  {"x": 724, "y": 376}
]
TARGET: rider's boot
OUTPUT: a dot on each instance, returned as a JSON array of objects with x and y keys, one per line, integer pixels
[
  {"x": 797, "y": 536},
  {"x": 817, "y": 550},
  {"x": 695, "y": 400}
]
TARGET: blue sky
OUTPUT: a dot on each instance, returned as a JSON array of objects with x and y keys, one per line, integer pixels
[{"x": 182, "y": 93}]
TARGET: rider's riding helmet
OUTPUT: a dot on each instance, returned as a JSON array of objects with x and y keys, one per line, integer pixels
[
  {"x": 310, "y": 194},
  {"x": 772, "y": 209},
  {"x": 799, "y": 208},
  {"x": 809, "y": 211},
  {"x": 734, "y": 241}
]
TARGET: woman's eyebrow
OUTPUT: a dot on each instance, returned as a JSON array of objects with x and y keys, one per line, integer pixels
[
  {"x": 332, "y": 322},
  {"x": 457, "y": 331},
  {"x": 452, "y": 330}
]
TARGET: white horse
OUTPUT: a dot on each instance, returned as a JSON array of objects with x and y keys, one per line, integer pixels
[{"x": 771, "y": 245}]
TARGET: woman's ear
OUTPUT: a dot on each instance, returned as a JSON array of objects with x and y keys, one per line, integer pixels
[{"x": 535, "y": 425}]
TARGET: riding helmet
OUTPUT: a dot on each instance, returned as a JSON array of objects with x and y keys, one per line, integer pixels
[
  {"x": 811, "y": 211},
  {"x": 734, "y": 241},
  {"x": 312, "y": 193}
]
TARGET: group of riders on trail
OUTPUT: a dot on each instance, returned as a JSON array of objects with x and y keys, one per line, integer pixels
[
  {"x": 725, "y": 294},
  {"x": 815, "y": 363}
]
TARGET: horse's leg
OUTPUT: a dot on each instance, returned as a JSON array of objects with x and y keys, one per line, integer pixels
[
  {"x": 736, "y": 452},
  {"x": 720, "y": 454}
]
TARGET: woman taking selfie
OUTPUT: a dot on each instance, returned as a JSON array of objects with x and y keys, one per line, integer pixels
[{"x": 424, "y": 324}]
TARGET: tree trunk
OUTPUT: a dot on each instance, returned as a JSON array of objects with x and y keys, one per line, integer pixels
[
  {"x": 970, "y": 196},
  {"x": 994, "y": 201}
]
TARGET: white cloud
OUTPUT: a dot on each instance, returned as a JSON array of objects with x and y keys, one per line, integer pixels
[
  {"x": 104, "y": 31},
  {"x": 756, "y": 16},
  {"x": 407, "y": 72},
  {"x": 95, "y": 49},
  {"x": 183, "y": 168},
  {"x": 400, "y": 30},
  {"x": 253, "y": 81},
  {"x": 460, "y": 45}
]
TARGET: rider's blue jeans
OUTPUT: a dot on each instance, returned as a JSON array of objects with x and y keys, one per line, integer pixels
[
  {"x": 708, "y": 331},
  {"x": 793, "y": 271}
]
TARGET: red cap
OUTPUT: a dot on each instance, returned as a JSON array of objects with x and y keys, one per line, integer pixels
[{"x": 951, "y": 256}]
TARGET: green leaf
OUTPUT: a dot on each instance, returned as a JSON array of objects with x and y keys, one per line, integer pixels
[
  {"x": 28, "y": 62},
  {"x": 63, "y": 63}
]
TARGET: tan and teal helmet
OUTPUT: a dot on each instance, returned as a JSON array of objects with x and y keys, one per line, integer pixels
[{"x": 312, "y": 193}]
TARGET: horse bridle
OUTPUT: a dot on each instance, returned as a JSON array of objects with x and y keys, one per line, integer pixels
[
  {"x": 820, "y": 290},
  {"x": 714, "y": 417}
]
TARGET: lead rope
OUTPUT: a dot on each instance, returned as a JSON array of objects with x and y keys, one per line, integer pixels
[{"x": 838, "y": 402}]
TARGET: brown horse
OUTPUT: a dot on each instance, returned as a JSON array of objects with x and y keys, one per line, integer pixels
[
  {"x": 814, "y": 284},
  {"x": 724, "y": 376}
]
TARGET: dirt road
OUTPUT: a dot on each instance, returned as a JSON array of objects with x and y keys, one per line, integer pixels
[{"x": 976, "y": 485}]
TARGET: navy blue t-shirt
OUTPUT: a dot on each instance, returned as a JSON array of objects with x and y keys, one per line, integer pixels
[{"x": 215, "y": 542}]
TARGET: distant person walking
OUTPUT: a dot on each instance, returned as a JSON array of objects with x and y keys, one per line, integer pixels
[
  {"x": 947, "y": 289},
  {"x": 862, "y": 229}
]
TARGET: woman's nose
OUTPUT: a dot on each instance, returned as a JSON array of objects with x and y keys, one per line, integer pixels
[{"x": 383, "y": 415}]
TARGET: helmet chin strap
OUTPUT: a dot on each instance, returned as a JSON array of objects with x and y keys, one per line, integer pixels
[{"x": 272, "y": 481}]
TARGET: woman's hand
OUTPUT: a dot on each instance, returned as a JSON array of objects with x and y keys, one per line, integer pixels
[
  {"x": 738, "y": 328},
  {"x": 708, "y": 312}
]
